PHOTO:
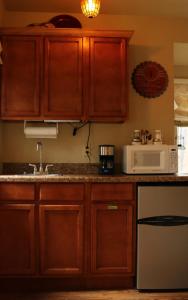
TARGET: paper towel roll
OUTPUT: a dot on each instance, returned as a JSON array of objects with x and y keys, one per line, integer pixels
[{"x": 41, "y": 132}]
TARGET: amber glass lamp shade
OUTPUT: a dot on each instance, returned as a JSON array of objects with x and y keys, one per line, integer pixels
[{"x": 90, "y": 8}]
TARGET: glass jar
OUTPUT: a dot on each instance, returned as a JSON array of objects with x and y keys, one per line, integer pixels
[
  {"x": 136, "y": 137},
  {"x": 157, "y": 137}
]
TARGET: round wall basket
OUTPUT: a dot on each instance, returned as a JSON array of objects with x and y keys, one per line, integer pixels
[{"x": 149, "y": 79}]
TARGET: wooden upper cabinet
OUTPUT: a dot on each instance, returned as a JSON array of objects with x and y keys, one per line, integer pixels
[
  {"x": 64, "y": 74},
  {"x": 42, "y": 78},
  {"x": 20, "y": 96},
  {"x": 108, "y": 76},
  {"x": 63, "y": 67}
]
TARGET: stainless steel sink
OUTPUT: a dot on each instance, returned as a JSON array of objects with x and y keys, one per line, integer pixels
[{"x": 45, "y": 175}]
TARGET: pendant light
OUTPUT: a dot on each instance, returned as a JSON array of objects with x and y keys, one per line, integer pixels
[{"x": 90, "y": 8}]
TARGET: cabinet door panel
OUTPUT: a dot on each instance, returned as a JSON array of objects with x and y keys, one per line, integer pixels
[
  {"x": 63, "y": 77},
  {"x": 112, "y": 238},
  {"x": 62, "y": 191},
  {"x": 112, "y": 191},
  {"x": 15, "y": 191},
  {"x": 17, "y": 249},
  {"x": 108, "y": 93},
  {"x": 61, "y": 236},
  {"x": 20, "y": 77}
]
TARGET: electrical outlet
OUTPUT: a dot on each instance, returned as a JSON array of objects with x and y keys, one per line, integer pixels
[{"x": 87, "y": 150}]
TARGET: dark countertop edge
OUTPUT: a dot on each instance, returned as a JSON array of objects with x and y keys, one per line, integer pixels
[{"x": 96, "y": 178}]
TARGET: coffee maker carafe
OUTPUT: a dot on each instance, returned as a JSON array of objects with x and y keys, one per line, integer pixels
[{"x": 106, "y": 157}]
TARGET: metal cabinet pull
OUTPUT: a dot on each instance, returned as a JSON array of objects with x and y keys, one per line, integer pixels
[{"x": 112, "y": 206}]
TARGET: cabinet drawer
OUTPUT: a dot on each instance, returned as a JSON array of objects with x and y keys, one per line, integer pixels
[
  {"x": 112, "y": 191},
  {"x": 17, "y": 191},
  {"x": 61, "y": 191}
]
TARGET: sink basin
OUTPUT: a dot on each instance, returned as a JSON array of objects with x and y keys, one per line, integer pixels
[
  {"x": 51, "y": 175},
  {"x": 31, "y": 174}
]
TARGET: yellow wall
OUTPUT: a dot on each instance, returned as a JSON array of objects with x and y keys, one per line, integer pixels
[
  {"x": 153, "y": 40},
  {"x": 180, "y": 71}
]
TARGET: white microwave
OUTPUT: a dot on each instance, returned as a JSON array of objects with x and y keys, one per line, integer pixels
[{"x": 150, "y": 159}]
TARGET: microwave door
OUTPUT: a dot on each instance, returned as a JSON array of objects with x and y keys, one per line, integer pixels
[{"x": 149, "y": 161}]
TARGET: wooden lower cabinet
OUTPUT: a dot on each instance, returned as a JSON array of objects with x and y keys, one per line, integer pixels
[
  {"x": 17, "y": 239},
  {"x": 81, "y": 233},
  {"x": 61, "y": 237},
  {"x": 113, "y": 220},
  {"x": 112, "y": 238}
]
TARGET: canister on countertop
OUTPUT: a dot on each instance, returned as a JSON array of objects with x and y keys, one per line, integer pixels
[
  {"x": 136, "y": 137},
  {"x": 157, "y": 137}
]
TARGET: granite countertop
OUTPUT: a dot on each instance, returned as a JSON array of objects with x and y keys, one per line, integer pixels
[
  {"x": 95, "y": 178},
  {"x": 79, "y": 172}
]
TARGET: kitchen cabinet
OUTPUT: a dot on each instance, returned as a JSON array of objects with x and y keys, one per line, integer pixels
[
  {"x": 21, "y": 73},
  {"x": 112, "y": 229},
  {"x": 63, "y": 78},
  {"x": 108, "y": 75},
  {"x": 17, "y": 229},
  {"x": 64, "y": 74},
  {"x": 61, "y": 229},
  {"x": 112, "y": 238},
  {"x": 80, "y": 233},
  {"x": 42, "y": 77}
]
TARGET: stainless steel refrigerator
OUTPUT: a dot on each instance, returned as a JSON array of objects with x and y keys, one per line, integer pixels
[{"x": 162, "y": 237}]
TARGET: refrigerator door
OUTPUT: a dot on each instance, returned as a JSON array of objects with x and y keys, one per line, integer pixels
[
  {"x": 162, "y": 200},
  {"x": 162, "y": 249}
]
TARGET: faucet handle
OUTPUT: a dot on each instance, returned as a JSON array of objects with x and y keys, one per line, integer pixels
[
  {"x": 46, "y": 168},
  {"x": 34, "y": 168}
]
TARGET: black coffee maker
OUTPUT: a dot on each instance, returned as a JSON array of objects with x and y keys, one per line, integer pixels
[{"x": 106, "y": 158}]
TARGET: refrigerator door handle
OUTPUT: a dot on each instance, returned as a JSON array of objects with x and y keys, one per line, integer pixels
[{"x": 164, "y": 221}]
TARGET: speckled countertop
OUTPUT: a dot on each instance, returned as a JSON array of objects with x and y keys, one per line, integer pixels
[
  {"x": 79, "y": 172},
  {"x": 94, "y": 178}
]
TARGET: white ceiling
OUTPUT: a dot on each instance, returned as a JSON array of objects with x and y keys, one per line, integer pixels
[{"x": 173, "y": 8}]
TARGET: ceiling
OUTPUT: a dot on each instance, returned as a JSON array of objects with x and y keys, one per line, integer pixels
[{"x": 172, "y": 8}]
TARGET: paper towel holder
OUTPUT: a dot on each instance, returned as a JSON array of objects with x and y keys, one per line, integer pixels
[{"x": 40, "y": 129}]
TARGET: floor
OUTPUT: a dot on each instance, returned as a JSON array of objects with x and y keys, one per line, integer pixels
[{"x": 96, "y": 295}]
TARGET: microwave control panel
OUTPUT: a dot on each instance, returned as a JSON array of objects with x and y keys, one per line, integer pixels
[{"x": 173, "y": 159}]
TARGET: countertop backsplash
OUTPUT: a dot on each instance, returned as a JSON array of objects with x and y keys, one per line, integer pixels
[{"x": 58, "y": 168}]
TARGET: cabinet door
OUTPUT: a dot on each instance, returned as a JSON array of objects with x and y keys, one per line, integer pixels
[
  {"x": 63, "y": 96},
  {"x": 108, "y": 90},
  {"x": 17, "y": 247},
  {"x": 61, "y": 238},
  {"x": 112, "y": 238},
  {"x": 20, "y": 96}
]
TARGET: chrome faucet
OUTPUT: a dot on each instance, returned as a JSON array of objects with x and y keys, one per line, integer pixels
[
  {"x": 39, "y": 148},
  {"x": 41, "y": 170}
]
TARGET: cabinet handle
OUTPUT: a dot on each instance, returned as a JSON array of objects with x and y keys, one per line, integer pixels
[{"x": 112, "y": 206}]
